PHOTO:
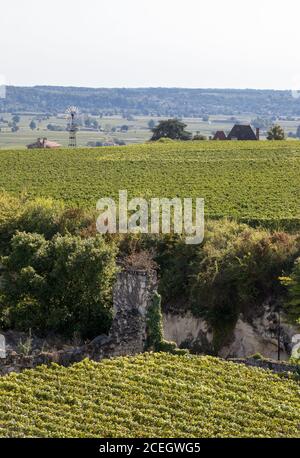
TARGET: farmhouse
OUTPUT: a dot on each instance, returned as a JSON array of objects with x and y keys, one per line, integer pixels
[
  {"x": 43, "y": 143},
  {"x": 242, "y": 132},
  {"x": 238, "y": 132},
  {"x": 220, "y": 135}
]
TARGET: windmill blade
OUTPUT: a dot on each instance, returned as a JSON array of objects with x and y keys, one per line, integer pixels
[{"x": 72, "y": 111}]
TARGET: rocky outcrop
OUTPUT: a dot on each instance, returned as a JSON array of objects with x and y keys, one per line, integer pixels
[
  {"x": 258, "y": 334},
  {"x": 188, "y": 332}
]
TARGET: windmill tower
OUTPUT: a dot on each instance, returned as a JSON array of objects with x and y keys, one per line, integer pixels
[{"x": 71, "y": 113}]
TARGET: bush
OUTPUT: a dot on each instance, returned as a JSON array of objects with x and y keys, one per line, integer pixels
[
  {"x": 237, "y": 269},
  {"x": 293, "y": 284},
  {"x": 234, "y": 271},
  {"x": 20, "y": 214},
  {"x": 257, "y": 356},
  {"x": 165, "y": 140},
  {"x": 62, "y": 285},
  {"x": 199, "y": 137},
  {"x": 155, "y": 340},
  {"x": 276, "y": 132},
  {"x": 42, "y": 216},
  {"x": 171, "y": 128},
  {"x": 10, "y": 210}
]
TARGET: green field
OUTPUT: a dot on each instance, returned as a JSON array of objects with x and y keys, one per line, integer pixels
[
  {"x": 138, "y": 131},
  {"x": 151, "y": 395},
  {"x": 239, "y": 179}
]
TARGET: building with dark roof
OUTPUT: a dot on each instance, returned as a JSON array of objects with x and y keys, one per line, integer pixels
[
  {"x": 220, "y": 135},
  {"x": 242, "y": 132}
]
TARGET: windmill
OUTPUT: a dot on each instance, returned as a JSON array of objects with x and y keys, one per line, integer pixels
[{"x": 71, "y": 113}]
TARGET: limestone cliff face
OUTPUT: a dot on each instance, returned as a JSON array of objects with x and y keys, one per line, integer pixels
[
  {"x": 188, "y": 331},
  {"x": 258, "y": 335}
]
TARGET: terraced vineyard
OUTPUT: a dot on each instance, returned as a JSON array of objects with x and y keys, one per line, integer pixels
[
  {"x": 252, "y": 180},
  {"x": 147, "y": 396}
]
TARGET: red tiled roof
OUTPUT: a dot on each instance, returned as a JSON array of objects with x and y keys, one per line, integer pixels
[
  {"x": 50, "y": 144},
  {"x": 44, "y": 143}
]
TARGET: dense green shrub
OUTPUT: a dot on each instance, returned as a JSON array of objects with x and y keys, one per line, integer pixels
[
  {"x": 155, "y": 339},
  {"x": 42, "y": 216},
  {"x": 293, "y": 284},
  {"x": 60, "y": 285},
  {"x": 235, "y": 270},
  {"x": 170, "y": 128},
  {"x": 10, "y": 210}
]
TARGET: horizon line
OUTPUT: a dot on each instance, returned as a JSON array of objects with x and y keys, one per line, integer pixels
[{"x": 72, "y": 86}]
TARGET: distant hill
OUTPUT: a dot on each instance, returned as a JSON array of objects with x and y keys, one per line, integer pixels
[{"x": 151, "y": 101}]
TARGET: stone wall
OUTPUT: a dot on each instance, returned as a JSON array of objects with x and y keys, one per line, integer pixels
[
  {"x": 276, "y": 366},
  {"x": 132, "y": 296}
]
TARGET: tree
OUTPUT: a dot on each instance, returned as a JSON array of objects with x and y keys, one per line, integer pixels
[
  {"x": 32, "y": 125},
  {"x": 62, "y": 285},
  {"x": 172, "y": 128},
  {"x": 199, "y": 136},
  {"x": 16, "y": 119},
  {"x": 55, "y": 127},
  {"x": 293, "y": 285},
  {"x": 15, "y": 128},
  {"x": 119, "y": 142},
  {"x": 91, "y": 123},
  {"x": 276, "y": 133}
]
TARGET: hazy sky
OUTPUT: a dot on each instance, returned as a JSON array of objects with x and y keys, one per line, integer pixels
[{"x": 132, "y": 43}]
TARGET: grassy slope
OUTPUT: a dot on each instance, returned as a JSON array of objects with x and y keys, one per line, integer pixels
[
  {"x": 243, "y": 179},
  {"x": 149, "y": 395}
]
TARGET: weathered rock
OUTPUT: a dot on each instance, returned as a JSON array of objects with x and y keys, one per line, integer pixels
[
  {"x": 188, "y": 332},
  {"x": 132, "y": 296},
  {"x": 256, "y": 335}
]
